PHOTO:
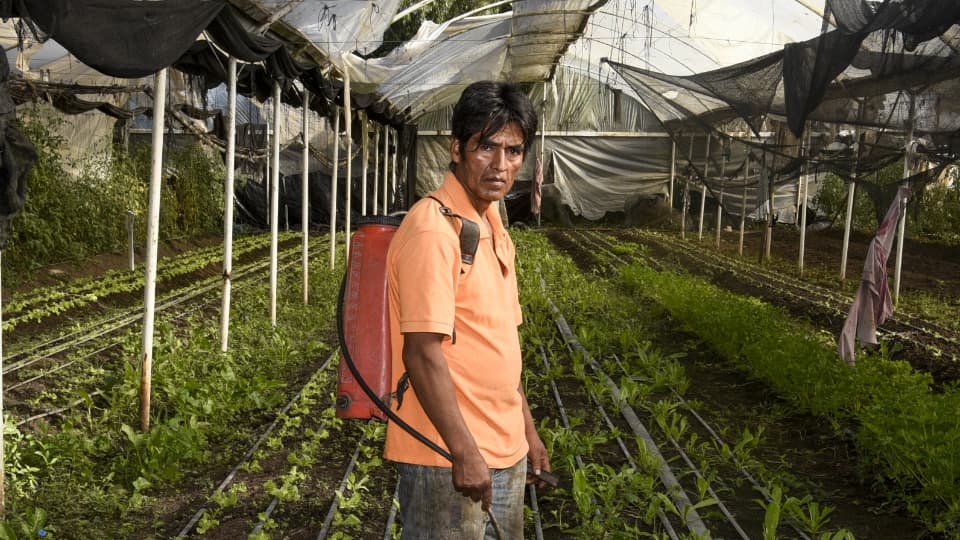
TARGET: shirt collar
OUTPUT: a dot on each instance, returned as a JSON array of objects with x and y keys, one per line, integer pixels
[{"x": 454, "y": 195}]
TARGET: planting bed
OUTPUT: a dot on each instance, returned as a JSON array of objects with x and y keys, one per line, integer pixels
[
  {"x": 808, "y": 447},
  {"x": 653, "y": 433}
]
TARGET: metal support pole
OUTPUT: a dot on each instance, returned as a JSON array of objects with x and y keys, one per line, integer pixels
[
  {"x": 686, "y": 191},
  {"x": 348, "y": 177},
  {"x": 131, "y": 259},
  {"x": 543, "y": 148},
  {"x": 723, "y": 179},
  {"x": 743, "y": 204},
  {"x": 228, "y": 202},
  {"x": 902, "y": 223},
  {"x": 393, "y": 168},
  {"x": 683, "y": 208},
  {"x": 305, "y": 198},
  {"x": 153, "y": 225},
  {"x": 802, "y": 187},
  {"x": 3, "y": 464},
  {"x": 274, "y": 203},
  {"x": 703, "y": 190},
  {"x": 673, "y": 171},
  {"x": 386, "y": 163},
  {"x": 364, "y": 159},
  {"x": 376, "y": 168},
  {"x": 848, "y": 221},
  {"x": 333, "y": 187},
  {"x": 267, "y": 173}
]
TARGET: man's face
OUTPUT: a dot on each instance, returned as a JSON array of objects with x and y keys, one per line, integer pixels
[{"x": 487, "y": 168}]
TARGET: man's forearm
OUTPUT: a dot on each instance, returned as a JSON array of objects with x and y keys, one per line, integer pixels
[
  {"x": 431, "y": 381},
  {"x": 529, "y": 425}
]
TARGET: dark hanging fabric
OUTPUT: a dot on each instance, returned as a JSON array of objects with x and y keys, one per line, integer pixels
[
  {"x": 229, "y": 32},
  {"x": 283, "y": 68},
  {"x": 748, "y": 88},
  {"x": 71, "y": 104},
  {"x": 195, "y": 112},
  {"x": 809, "y": 67},
  {"x": 203, "y": 61},
  {"x": 11, "y": 8},
  {"x": 17, "y": 156},
  {"x": 314, "y": 81},
  {"x": 124, "y": 38}
]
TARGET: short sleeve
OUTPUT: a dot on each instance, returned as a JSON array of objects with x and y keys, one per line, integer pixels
[{"x": 427, "y": 268}]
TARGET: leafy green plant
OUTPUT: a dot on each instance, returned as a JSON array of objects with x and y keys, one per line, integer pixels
[
  {"x": 906, "y": 438},
  {"x": 77, "y": 207}
]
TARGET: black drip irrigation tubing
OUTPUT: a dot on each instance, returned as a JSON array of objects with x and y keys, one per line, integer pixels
[
  {"x": 128, "y": 317},
  {"x": 89, "y": 355},
  {"x": 392, "y": 516},
  {"x": 65, "y": 365},
  {"x": 120, "y": 320},
  {"x": 129, "y": 277},
  {"x": 563, "y": 416},
  {"x": 709, "y": 429},
  {"x": 253, "y": 448},
  {"x": 104, "y": 348},
  {"x": 717, "y": 438},
  {"x": 691, "y": 517},
  {"x": 535, "y": 507},
  {"x": 335, "y": 503},
  {"x": 835, "y": 303}
]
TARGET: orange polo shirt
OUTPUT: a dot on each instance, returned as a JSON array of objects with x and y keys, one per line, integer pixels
[{"x": 431, "y": 290}]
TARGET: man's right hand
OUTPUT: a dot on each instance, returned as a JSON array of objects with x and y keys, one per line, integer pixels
[{"x": 471, "y": 478}]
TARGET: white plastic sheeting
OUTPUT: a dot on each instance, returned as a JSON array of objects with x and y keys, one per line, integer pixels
[
  {"x": 430, "y": 71},
  {"x": 335, "y": 27},
  {"x": 600, "y": 174},
  {"x": 554, "y": 40}
]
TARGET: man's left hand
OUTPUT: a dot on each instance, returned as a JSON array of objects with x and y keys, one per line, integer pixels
[{"x": 539, "y": 460}]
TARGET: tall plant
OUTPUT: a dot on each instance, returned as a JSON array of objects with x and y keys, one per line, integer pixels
[{"x": 77, "y": 208}]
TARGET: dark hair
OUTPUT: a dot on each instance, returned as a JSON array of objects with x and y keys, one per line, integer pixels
[{"x": 485, "y": 107}]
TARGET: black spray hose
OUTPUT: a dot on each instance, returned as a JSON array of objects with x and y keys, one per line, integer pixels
[{"x": 341, "y": 335}]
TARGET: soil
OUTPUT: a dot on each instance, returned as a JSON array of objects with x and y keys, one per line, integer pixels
[
  {"x": 809, "y": 455},
  {"x": 102, "y": 263}
]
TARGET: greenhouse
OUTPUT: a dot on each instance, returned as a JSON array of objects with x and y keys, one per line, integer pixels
[{"x": 737, "y": 264}]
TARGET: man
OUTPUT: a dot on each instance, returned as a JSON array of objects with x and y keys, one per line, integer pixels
[{"x": 455, "y": 340}]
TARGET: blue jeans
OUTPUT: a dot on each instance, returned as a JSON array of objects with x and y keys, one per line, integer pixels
[{"x": 430, "y": 509}]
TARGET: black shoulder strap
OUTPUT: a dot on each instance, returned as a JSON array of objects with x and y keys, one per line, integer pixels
[{"x": 469, "y": 233}]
